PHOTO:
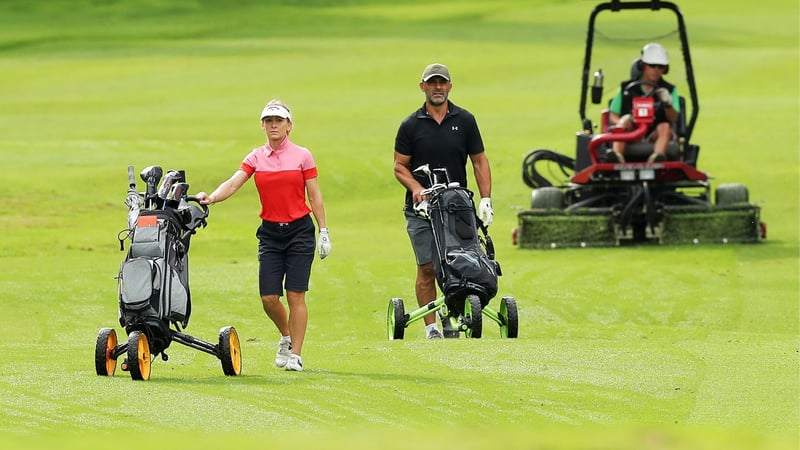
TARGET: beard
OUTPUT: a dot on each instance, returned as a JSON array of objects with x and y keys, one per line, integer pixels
[{"x": 435, "y": 100}]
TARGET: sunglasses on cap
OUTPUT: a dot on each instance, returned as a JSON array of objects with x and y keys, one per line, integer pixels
[{"x": 657, "y": 66}]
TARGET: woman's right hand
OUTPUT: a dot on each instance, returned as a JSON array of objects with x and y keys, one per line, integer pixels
[{"x": 203, "y": 198}]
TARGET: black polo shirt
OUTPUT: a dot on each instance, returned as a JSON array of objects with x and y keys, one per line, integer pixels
[{"x": 448, "y": 144}]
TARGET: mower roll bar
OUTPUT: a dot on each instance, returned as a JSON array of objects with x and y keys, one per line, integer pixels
[{"x": 654, "y": 5}]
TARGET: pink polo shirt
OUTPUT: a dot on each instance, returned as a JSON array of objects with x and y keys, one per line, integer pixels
[{"x": 280, "y": 177}]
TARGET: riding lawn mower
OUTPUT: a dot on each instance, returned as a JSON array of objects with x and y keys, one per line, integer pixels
[{"x": 605, "y": 202}]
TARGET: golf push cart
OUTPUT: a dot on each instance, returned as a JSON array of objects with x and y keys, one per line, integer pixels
[
  {"x": 153, "y": 282},
  {"x": 463, "y": 261},
  {"x": 604, "y": 202}
]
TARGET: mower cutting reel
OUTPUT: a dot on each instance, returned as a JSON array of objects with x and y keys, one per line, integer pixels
[{"x": 607, "y": 203}]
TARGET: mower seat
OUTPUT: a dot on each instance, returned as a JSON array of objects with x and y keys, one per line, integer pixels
[{"x": 640, "y": 151}]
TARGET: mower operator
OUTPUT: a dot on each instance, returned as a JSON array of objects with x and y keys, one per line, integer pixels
[
  {"x": 441, "y": 135},
  {"x": 652, "y": 65},
  {"x": 285, "y": 174}
]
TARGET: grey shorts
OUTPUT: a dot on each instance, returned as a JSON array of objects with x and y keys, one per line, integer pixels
[{"x": 421, "y": 235}]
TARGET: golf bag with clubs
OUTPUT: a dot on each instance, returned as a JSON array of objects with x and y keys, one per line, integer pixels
[
  {"x": 463, "y": 260},
  {"x": 153, "y": 280}
]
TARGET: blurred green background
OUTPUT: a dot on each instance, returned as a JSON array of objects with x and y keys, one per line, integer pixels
[{"x": 654, "y": 347}]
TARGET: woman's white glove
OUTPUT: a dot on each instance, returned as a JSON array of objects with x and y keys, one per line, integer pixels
[
  {"x": 323, "y": 243},
  {"x": 485, "y": 212}
]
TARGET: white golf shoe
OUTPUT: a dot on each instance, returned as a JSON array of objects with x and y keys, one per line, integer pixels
[
  {"x": 284, "y": 350},
  {"x": 294, "y": 364}
]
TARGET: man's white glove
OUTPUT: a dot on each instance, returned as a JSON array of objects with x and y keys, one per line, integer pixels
[
  {"x": 485, "y": 212},
  {"x": 421, "y": 208},
  {"x": 626, "y": 122},
  {"x": 323, "y": 243},
  {"x": 664, "y": 97}
]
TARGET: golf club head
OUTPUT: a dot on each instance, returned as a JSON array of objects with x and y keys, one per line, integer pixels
[
  {"x": 152, "y": 174},
  {"x": 176, "y": 199},
  {"x": 172, "y": 177},
  {"x": 440, "y": 176},
  {"x": 178, "y": 192},
  {"x": 424, "y": 171}
]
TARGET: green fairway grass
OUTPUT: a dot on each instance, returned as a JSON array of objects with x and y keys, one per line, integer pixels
[{"x": 690, "y": 347}]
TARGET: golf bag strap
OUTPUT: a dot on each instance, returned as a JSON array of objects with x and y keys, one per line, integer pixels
[{"x": 487, "y": 240}]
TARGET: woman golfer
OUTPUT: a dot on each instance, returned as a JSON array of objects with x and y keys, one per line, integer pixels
[{"x": 285, "y": 176}]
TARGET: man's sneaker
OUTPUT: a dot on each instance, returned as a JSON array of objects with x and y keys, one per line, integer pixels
[
  {"x": 294, "y": 363},
  {"x": 284, "y": 350},
  {"x": 656, "y": 157},
  {"x": 435, "y": 334}
]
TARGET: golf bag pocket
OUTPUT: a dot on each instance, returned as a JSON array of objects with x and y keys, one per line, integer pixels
[
  {"x": 468, "y": 271},
  {"x": 140, "y": 283},
  {"x": 149, "y": 237},
  {"x": 146, "y": 281},
  {"x": 175, "y": 300}
]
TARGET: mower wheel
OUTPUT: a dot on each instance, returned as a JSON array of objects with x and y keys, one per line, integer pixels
[
  {"x": 473, "y": 317},
  {"x": 105, "y": 364},
  {"x": 396, "y": 319},
  {"x": 139, "y": 356},
  {"x": 548, "y": 197},
  {"x": 230, "y": 351},
  {"x": 509, "y": 327},
  {"x": 731, "y": 193}
]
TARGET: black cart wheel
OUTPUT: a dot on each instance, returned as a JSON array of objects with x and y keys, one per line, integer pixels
[
  {"x": 105, "y": 363},
  {"x": 473, "y": 317},
  {"x": 548, "y": 197},
  {"x": 731, "y": 193},
  {"x": 139, "y": 356},
  {"x": 509, "y": 327},
  {"x": 396, "y": 319},
  {"x": 230, "y": 351}
]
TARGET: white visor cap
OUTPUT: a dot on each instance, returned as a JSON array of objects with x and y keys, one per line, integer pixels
[{"x": 276, "y": 111}]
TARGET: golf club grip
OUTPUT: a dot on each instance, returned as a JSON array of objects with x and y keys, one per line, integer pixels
[{"x": 131, "y": 178}]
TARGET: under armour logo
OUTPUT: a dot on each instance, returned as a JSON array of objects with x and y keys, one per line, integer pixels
[{"x": 454, "y": 128}]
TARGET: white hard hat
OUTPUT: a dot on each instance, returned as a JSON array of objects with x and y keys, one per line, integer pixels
[{"x": 654, "y": 53}]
